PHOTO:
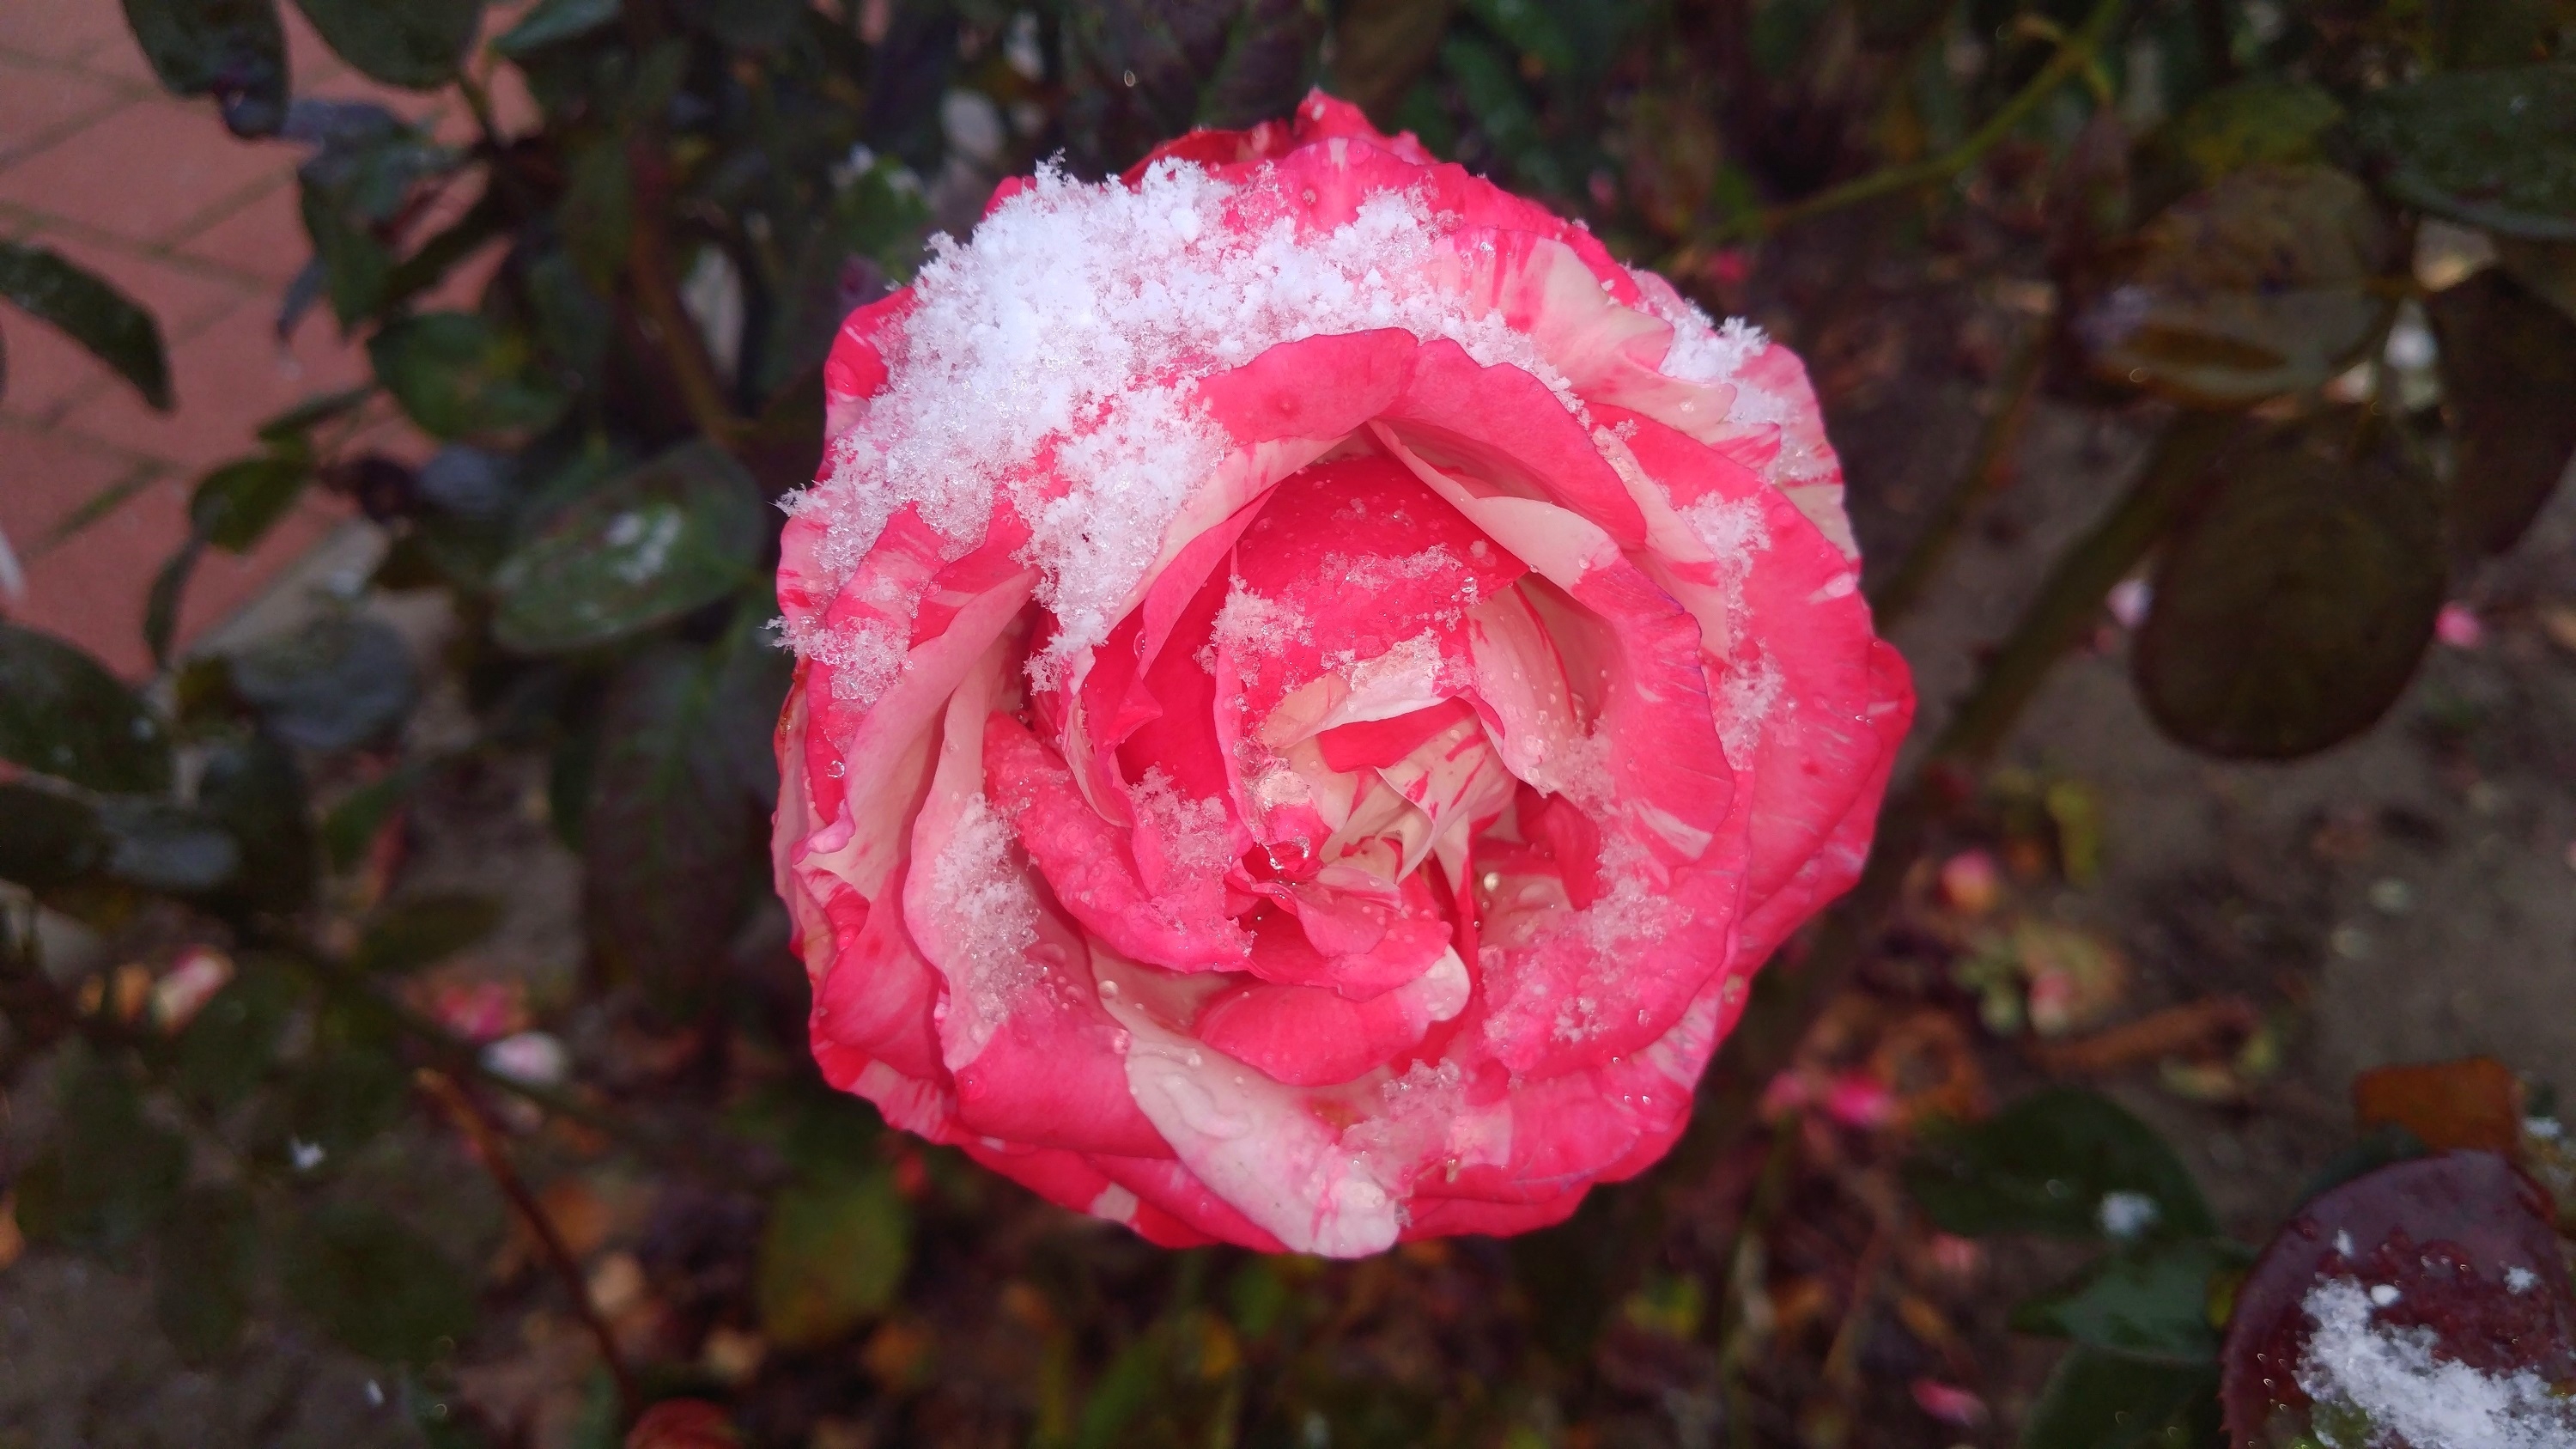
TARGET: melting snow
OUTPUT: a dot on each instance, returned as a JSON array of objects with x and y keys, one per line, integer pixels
[
  {"x": 2376, "y": 1384},
  {"x": 989, "y": 919}
]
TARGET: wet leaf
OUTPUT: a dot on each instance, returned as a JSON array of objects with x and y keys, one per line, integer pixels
[
  {"x": 103, "y": 320},
  {"x": 252, "y": 788},
  {"x": 47, "y": 837},
  {"x": 2475, "y": 1102},
  {"x": 2291, "y": 608},
  {"x": 376, "y": 1286},
  {"x": 2508, "y": 362},
  {"x": 422, "y": 930},
  {"x": 2264, "y": 282},
  {"x": 340, "y": 680},
  {"x": 2151, "y": 1303},
  {"x": 550, "y": 21},
  {"x": 676, "y": 533},
  {"x": 2046, "y": 1163},
  {"x": 167, "y": 847},
  {"x": 63, "y": 714},
  {"x": 110, "y": 1175},
  {"x": 161, "y": 602},
  {"x": 2463, "y": 1244},
  {"x": 2102, "y": 1401},
  {"x": 417, "y": 44},
  {"x": 233, "y": 50},
  {"x": 458, "y": 375},
  {"x": 831, "y": 1257},
  {"x": 236, "y": 505},
  {"x": 2493, "y": 148},
  {"x": 201, "y": 1291}
]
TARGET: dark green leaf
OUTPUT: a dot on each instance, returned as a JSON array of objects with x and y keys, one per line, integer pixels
[
  {"x": 1268, "y": 64},
  {"x": 339, "y": 1102},
  {"x": 457, "y": 375},
  {"x": 161, "y": 602},
  {"x": 549, "y": 21},
  {"x": 47, "y": 837},
  {"x": 2101, "y": 1401},
  {"x": 574, "y": 323},
  {"x": 62, "y": 714},
  {"x": 230, "y": 1044},
  {"x": 742, "y": 24},
  {"x": 110, "y": 1174},
  {"x": 339, "y": 681},
  {"x": 103, "y": 320},
  {"x": 2262, "y": 119},
  {"x": 235, "y": 506},
  {"x": 208, "y": 1255},
  {"x": 356, "y": 264},
  {"x": 302, "y": 418},
  {"x": 679, "y": 532},
  {"x": 417, "y": 44},
  {"x": 376, "y": 1286},
  {"x": 669, "y": 826},
  {"x": 405, "y": 935},
  {"x": 351, "y": 826},
  {"x": 429, "y": 264},
  {"x": 2470, "y": 33},
  {"x": 162, "y": 846},
  {"x": 2493, "y": 148},
  {"x": 2152, "y": 1303},
  {"x": 832, "y": 1256},
  {"x": 252, "y": 788},
  {"x": 2291, "y": 608},
  {"x": 2508, "y": 364},
  {"x": 233, "y": 50},
  {"x": 597, "y": 213},
  {"x": 2266, "y": 281},
  {"x": 2045, "y": 1164}
]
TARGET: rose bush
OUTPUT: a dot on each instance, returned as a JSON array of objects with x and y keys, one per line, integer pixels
[{"x": 1318, "y": 688}]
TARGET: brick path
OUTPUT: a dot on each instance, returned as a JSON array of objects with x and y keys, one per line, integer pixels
[{"x": 152, "y": 193}]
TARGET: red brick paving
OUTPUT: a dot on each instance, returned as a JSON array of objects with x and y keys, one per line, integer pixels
[{"x": 151, "y": 192}]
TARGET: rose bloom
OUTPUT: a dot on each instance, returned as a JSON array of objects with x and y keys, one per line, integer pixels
[{"x": 1318, "y": 690}]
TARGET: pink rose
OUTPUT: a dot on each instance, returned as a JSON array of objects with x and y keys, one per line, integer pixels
[{"x": 1319, "y": 687}]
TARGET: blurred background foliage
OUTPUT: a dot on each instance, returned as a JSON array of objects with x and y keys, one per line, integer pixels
[{"x": 2327, "y": 249}]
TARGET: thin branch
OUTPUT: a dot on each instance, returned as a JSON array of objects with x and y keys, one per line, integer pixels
[
  {"x": 649, "y": 271},
  {"x": 1985, "y": 475},
  {"x": 2070, "y": 61},
  {"x": 494, "y": 1154}
]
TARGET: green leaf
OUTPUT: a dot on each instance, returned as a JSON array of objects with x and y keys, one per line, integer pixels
[
  {"x": 2493, "y": 148},
  {"x": 161, "y": 602},
  {"x": 62, "y": 714},
  {"x": 2152, "y": 1303},
  {"x": 2291, "y": 607},
  {"x": 421, "y": 930},
  {"x": 831, "y": 1257},
  {"x": 2101, "y": 1401},
  {"x": 2508, "y": 362},
  {"x": 597, "y": 213},
  {"x": 201, "y": 1293},
  {"x": 1381, "y": 47},
  {"x": 671, "y": 830},
  {"x": 252, "y": 788},
  {"x": 110, "y": 1175},
  {"x": 376, "y": 1286},
  {"x": 357, "y": 267},
  {"x": 416, "y": 44},
  {"x": 550, "y": 21},
  {"x": 1268, "y": 64},
  {"x": 167, "y": 847},
  {"x": 233, "y": 50},
  {"x": 742, "y": 24},
  {"x": 670, "y": 536},
  {"x": 103, "y": 320},
  {"x": 2045, "y": 1164},
  {"x": 351, "y": 825},
  {"x": 342, "y": 1100},
  {"x": 2266, "y": 281},
  {"x": 457, "y": 375},
  {"x": 236, "y": 505},
  {"x": 2261, "y": 119},
  {"x": 292, "y": 424},
  {"x": 47, "y": 837},
  {"x": 228, "y": 1047},
  {"x": 340, "y": 680}
]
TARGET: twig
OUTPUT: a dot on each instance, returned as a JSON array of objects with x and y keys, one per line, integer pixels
[
  {"x": 494, "y": 1154},
  {"x": 1984, "y": 476},
  {"x": 2070, "y": 60},
  {"x": 657, "y": 292}
]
